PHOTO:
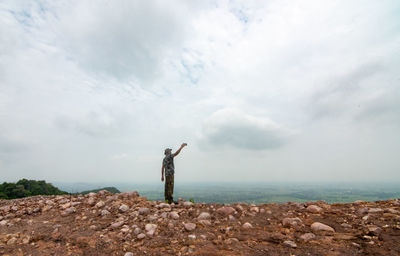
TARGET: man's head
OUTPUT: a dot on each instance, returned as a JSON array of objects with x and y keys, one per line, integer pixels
[{"x": 167, "y": 151}]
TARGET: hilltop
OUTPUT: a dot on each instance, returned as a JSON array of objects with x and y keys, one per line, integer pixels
[{"x": 127, "y": 224}]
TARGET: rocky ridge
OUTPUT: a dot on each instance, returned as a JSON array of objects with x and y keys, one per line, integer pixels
[{"x": 127, "y": 224}]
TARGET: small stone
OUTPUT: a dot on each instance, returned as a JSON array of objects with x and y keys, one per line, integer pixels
[
  {"x": 374, "y": 230},
  {"x": 141, "y": 236},
  {"x": 104, "y": 212},
  {"x": 174, "y": 215},
  {"x": 150, "y": 226},
  {"x": 231, "y": 218},
  {"x": 123, "y": 208},
  {"x": 307, "y": 237},
  {"x": 314, "y": 209},
  {"x": 204, "y": 216},
  {"x": 3, "y": 222},
  {"x": 26, "y": 240},
  {"x": 188, "y": 204},
  {"x": 255, "y": 209},
  {"x": 226, "y": 210},
  {"x": 192, "y": 237},
  {"x": 345, "y": 225},
  {"x": 163, "y": 205},
  {"x": 143, "y": 210},
  {"x": 129, "y": 254},
  {"x": 320, "y": 227},
  {"x": 290, "y": 244},
  {"x": 291, "y": 222},
  {"x": 68, "y": 211},
  {"x": 117, "y": 224},
  {"x": 100, "y": 204},
  {"x": 375, "y": 210},
  {"x": 12, "y": 241},
  {"x": 189, "y": 226},
  {"x": 205, "y": 222},
  {"x": 247, "y": 225},
  {"x": 137, "y": 231}
]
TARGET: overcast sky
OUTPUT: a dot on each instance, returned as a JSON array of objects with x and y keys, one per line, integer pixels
[{"x": 260, "y": 90}]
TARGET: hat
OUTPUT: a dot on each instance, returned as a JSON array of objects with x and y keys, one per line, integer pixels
[{"x": 167, "y": 150}]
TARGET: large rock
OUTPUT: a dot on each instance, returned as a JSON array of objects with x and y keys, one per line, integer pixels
[{"x": 318, "y": 227}]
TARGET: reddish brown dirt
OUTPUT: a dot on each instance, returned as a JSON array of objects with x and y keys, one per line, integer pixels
[{"x": 47, "y": 225}]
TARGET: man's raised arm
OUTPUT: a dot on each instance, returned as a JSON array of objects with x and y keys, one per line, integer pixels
[{"x": 179, "y": 150}]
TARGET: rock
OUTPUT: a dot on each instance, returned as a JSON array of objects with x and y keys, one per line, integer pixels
[
  {"x": 12, "y": 241},
  {"x": 68, "y": 211},
  {"x": 345, "y": 225},
  {"x": 137, "y": 231},
  {"x": 247, "y": 225},
  {"x": 320, "y": 227},
  {"x": 104, "y": 212},
  {"x": 141, "y": 236},
  {"x": 117, "y": 224},
  {"x": 290, "y": 244},
  {"x": 188, "y": 204},
  {"x": 123, "y": 208},
  {"x": 150, "y": 226},
  {"x": 91, "y": 201},
  {"x": 26, "y": 240},
  {"x": 65, "y": 206},
  {"x": 231, "y": 218},
  {"x": 3, "y": 222},
  {"x": 307, "y": 237},
  {"x": 143, "y": 210},
  {"x": 163, "y": 205},
  {"x": 174, "y": 215},
  {"x": 91, "y": 194},
  {"x": 204, "y": 216},
  {"x": 129, "y": 254},
  {"x": 226, "y": 210},
  {"x": 189, "y": 226},
  {"x": 374, "y": 230},
  {"x": 314, "y": 209},
  {"x": 100, "y": 204},
  {"x": 375, "y": 210},
  {"x": 362, "y": 211},
  {"x": 192, "y": 237},
  {"x": 291, "y": 222},
  {"x": 205, "y": 222},
  {"x": 255, "y": 209}
]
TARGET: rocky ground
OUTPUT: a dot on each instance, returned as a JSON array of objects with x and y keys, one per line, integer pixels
[{"x": 128, "y": 224}]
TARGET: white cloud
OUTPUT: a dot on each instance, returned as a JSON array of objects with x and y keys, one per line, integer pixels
[{"x": 234, "y": 128}]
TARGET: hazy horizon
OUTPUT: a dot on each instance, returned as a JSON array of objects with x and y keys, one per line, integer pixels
[{"x": 264, "y": 91}]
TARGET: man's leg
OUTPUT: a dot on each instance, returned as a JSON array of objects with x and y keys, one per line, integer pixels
[
  {"x": 169, "y": 187},
  {"x": 166, "y": 188}
]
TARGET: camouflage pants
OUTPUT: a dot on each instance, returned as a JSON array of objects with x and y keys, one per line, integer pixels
[{"x": 169, "y": 187}]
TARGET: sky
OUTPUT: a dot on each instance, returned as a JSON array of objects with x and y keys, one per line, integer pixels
[{"x": 94, "y": 91}]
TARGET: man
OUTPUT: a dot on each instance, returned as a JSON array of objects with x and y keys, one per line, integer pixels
[{"x": 168, "y": 166}]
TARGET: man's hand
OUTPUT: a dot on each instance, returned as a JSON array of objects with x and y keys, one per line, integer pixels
[{"x": 162, "y": 178}]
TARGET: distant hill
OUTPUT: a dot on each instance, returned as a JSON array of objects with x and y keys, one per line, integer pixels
[
  {"x": 24, "y": 188},
  {"x": 109, "y": 189}
]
